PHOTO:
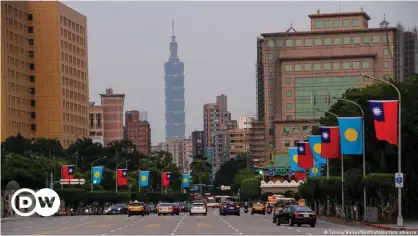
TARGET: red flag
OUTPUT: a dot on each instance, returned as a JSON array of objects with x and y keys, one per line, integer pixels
[
  {"x": 166, "y": 178},
  {"x": 300, "y": 175},
  {"x": 330, "y": 142},
  {"x": 67, "y": 172},
  {"x": 385, "y": 117},
  {"x": 305, "y": 157},
  {"x": 122, "y": 176}
]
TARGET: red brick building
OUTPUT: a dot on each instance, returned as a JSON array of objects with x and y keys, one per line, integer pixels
[{"x": 138, "y": 130}]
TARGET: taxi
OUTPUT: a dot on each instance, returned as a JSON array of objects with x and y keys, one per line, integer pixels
[
  {"x": 136, "y": 208},
  {"x": 258, "y": 208}
]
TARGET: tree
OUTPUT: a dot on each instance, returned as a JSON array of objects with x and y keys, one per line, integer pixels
[
  {"x": 242, "y": 175},
  {"x": 201, "y": 170},
  {"x": 251, "y": 187},
  {"x": 16, "y": 144}
]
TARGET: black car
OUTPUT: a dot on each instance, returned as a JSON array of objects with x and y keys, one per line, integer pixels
[
  {"x": 151, "y": 208},
  {"x": 183, "y": 207},
  {"x": 117, "y": 209},
  {"x": 229, "y": 208},
  {"x": 295, "y": 214}
]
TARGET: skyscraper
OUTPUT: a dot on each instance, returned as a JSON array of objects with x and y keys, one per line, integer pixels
[{"x": 174, "y": 93}]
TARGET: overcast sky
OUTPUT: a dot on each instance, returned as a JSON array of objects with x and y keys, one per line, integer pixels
[{"x": 129, "y": 43}]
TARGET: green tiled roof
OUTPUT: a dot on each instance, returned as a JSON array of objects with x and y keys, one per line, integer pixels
[{"x": 279, "y": 161}]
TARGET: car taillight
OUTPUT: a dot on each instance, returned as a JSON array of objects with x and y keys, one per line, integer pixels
[
  {"x": 237, "y": 206},
  {"x": 159, "y": 208},
  {"x": 129, "y": 208},
  {"x": 313, "y": 214},
  {"x": 170, "y": 208},
  {"x": 297, "y": 214},
  {"x": 224, "y": 206}
]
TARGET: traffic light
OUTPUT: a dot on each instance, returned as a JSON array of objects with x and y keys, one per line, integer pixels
[{"x": 260, "y": 172}]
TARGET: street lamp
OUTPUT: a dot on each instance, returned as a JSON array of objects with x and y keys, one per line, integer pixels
[
  {"x": 62, "y": 161},
  {"x": 126, "y": 161},
  {"x": 91, "y": 169},
  {"x": 400, "y": 219}
]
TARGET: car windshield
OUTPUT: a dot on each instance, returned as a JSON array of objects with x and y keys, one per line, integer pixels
[
  {"x": 258, "y": 204},
  {"x": 198, "y": 205},
  {"x": 182, "y": 203},
  {"x": 166, "y": 204},
  {"x": 119, "y": 205},
  {"x": 151, "y": 205},
  {"x": 301, "y": 208}
]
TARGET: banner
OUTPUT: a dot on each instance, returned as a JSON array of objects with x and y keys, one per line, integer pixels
[
  {"x": 97, "y": 172},
  {"x": 143, "y": 178}
]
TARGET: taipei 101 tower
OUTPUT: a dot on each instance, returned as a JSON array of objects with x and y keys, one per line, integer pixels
[{"x": 174, "y": 93}]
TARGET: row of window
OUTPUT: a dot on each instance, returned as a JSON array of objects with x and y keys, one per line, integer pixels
[
  {"x": 72, "y": 37},
  {"x": 20, "y": 64},
  {"x": 16, "y": 50},
  {"x": 8, "y": 9},
  {"x": 74, "y": 107},
  {"x": 329, "y": 24},
  {"x": 79, "y": 86},
  {"x": 73, "y": 25},
  {"x": 21, "y": 127},
  {"x": 73, "y": 72},
  {"x": 75, "y": 131},
  {"x": 327, "y": 66},
  {"x": 16, "y": 38},
  {"x": 74, "y": 118},
  {"x": 73, "y": 60},
  {"x": 16, "y": 25},
  {"x": 73, "y": 49},
  {"x": 22, "y": 114},
  {"x": 18, "y": 88},
  {"x": 19, "y": 101},
  {"x": 18, "y": 76}
]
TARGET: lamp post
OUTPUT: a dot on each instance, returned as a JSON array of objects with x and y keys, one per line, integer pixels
[
  {"x": 62, "y": 161},
  {"x": 400, "y": 219},
  {"x": 364, "y": 148},
  {"x": 126, "y": 161},
  {"x": 91, "y": 169}
]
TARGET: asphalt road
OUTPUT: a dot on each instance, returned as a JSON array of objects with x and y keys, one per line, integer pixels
[{"x": 184, "y": 224}]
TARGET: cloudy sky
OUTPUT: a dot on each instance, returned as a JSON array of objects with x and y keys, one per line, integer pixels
[{"x": 129, "y": 43}]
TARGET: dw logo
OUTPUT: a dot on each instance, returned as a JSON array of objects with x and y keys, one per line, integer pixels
[{"x": 47, "y": 202}]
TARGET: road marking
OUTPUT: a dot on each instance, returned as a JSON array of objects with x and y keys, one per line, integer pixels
[
  {"x": 126, "y": 226},
  {"x": 298, "y": 230},
  {"x": 29, "y": 227},
  {"x": 102, "y": 226},
  {"x": 178, "y": 225},
  {"x": 289, "y": 228},
  {"x": 120, "y": 229},
  {"x": 282, "y": 226},
  {"x": 65, "y": 228},
  {"x": 112, "y": 231},
  {"x": 153, "y": 225},
  {"x": 308, "y": 234}
]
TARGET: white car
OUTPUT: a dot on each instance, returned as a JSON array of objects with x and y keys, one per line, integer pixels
[{"x": 198, "y": 208}]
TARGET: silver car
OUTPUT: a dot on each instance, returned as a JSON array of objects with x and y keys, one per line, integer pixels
[{"x": 198, "y": 208}]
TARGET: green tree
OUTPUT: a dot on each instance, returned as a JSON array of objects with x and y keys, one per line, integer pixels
[
  {"x": 200, "y": 170},
  {"x": 242, "y": 175},
  {"x": 251, "y": 187}
]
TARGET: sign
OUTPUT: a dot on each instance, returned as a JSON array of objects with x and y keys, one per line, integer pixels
[
  {"x": 272, "y": 172},
  {"x": 72, "y": 181},
  {"x": 195, "y": 188},
  {"x": 399, "y": 180},
  {"x": 225, "y": 187},
  {"x": 46, "y": 201}
]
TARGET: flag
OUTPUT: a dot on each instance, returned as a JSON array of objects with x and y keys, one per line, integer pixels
[
  {"x": 301, "y": 175},
  {"x": 67, "y": 172},
  {"x": 97, "y": 172},
  {"x": 143, "y": 178},
  {"x": 330, "y": 142},
  {"x": 315, "y": 145},
  {"x": 385, "y": 117},
  {"x": 122, "y": 176},
  {"x": 351, "y": 135},
  {"x": 166, "y": 178},
  {"x": 315, "y": 171},
  {"x": 293, "y": 159},
  {"x": 186, "y": 181},
  {"x": 305, "y": 158}
]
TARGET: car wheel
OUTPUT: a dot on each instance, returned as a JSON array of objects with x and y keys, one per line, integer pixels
[
  {"x": 190, "y": 214},
  {"x": 159, "y": 214},
  {"x": 291, "y": 222},
  {"x": 312, "y": 225},
  {"x": 252, "y": 213},
  {"x": 264, "y": 213},
  {"x": 274, "y": 220},
  {"x": 238, "y": 214},
  {"x": 206, "y": 213},
  {"x": 277, "y": 221},
  {"x": 299, "y": 225},
  {"x": 178, "y": 213}
]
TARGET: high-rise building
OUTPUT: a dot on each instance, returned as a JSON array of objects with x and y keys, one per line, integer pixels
[
  {"x": 220, "y": 148},
  {"x": 406, "y": 51},
  {"x": 215, "y": 118},
  {"x": 112, "y": 115},
  {"x": 198, "y": 143},
  {"x": 44, "y": 82},
  {"x": 174, "y": 94},
  {"x": 96, "y": 128},
  {"x": 187, "y": 154},
  {"x": 138, "y": 130}
]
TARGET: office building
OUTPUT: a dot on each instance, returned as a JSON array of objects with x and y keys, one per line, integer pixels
[
  {"x": 138, "y": 130},
  {"x": 220, "y": 148},
  {"x": 44, "y": 71},
  {"x": 174, "y": 94},
  {"x": 198, "y": 143},
  {"x": 96, "y": 128},
  {"x": 215, "y": 118},
  {"x": 187, "y": 154},
  {"x": 113, "y": 115}
]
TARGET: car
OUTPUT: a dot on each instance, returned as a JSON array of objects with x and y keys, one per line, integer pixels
[
  {"x": 229, "y": 208},
  {"x": 117, "y": 209},
  {"x": 183, "y": 206},
  {"x": 136, "y": 208},
  {"x": 198, "y": 208},
  {"x": 258, "y": 208},
  {"x": 166, "y": 209},
  {"x": 295, "y": 214},
  {"x": 176, "y": 208},
  {"x": 151, "y": 208}
]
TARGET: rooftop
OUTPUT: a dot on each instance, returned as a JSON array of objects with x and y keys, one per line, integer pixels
[{"x": 342, "y": 14}]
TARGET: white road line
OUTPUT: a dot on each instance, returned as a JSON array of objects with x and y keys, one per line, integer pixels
[
  {"x": 289, "y": 228},
  {"x": 112, "y": 231},
  {"x": 298, "y": 230},
  {"x": 120, "y": 229},
  {"x": 308, "y": 234},
  {"x": 282, "y": 226},
  {"x": 126, "y": 226}
]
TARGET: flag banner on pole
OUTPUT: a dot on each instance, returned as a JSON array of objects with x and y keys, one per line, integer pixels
[
  {"x": 351, "y": 135},
  {"x": 97, "y": 172},
  {"x": 166, "y": 178},
  {"x": 305, "y": 158},
  {"x": 293, "y": 159},
  {"x": 330, "y": 142},
  {"x": 301, "y": 175},
  {"x": 143, "y": 178},
  {"x": 67, "y": 172},
  {"x": 185, "y": 181},
  {"x": 385, "y": 117},
  {"x": 315, "y": 171},
  {"x": 315, "y": 145},
  {"x": 122, "y": 177}
]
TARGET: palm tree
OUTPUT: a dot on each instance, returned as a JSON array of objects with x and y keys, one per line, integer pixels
[{"x": 87, "y": 150}]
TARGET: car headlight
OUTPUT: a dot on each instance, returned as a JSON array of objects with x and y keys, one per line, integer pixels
[
  {"x": 118, "y": 209},
  {"x": 108, "y": 209}
]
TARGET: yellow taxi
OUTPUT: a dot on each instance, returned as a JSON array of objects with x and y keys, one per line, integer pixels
[
  {"x": 136, "y": 208},
  {"x": 258, "y": 208}
]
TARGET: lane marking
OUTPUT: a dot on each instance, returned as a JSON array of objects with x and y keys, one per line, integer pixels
[
  {"x": 112, "y": 231},
  {"x": 178, "y": 225},
  {"x": 289, "y": 228},
  {"x": 308, "y": 234},
  {"x": 65, "y": 228},
  {"x": 298, "y": 230},
  {"x": 120, "y": 229}
]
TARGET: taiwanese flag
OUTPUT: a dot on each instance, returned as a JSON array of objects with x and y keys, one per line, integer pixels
[
  {"x": 122, "y": 175},
  {"x": 67, "y": 172},
  {"x": 305, "y": 157},
  {"x": 385, "y": 117},
  {"x": 300, "y": 175},
  {"x": 166, "y": 178},
  {"x": 330, "y": 142}
]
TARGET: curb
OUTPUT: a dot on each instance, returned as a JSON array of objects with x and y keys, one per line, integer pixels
[{"x": 384, "y": 227}]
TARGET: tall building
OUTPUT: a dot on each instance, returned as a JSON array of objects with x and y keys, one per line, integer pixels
[
  {"x": 215, "y": 118},
  {"x": 198, "y": 143},
  {"x": 220, "y": 148},
  {"x": 96, "y": 128},
  {"x": 138, "y": 130},
  {"x": 174, "y": 94},
  {"x": 406, "y": 51},
  {"x": 187, "y": 154},
  {"x": 256, "y": 139},
  {"x": 44, "y": 82},
  {"x": 302, "y": 68},
  {"x": 113, "y": 115}
]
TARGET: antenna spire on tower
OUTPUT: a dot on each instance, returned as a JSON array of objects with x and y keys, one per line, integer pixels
[{"x": 173, "y": 28}]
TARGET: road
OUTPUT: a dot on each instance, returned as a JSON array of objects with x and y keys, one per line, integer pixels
[{"x": 184, "y": 224}]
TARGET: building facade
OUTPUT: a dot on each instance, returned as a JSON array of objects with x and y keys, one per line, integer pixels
[
  {"x": 138, "y": 130},
  {"x": 34, "y": 34},
  {"x": 113, "y": 115},
  {"x": 96, "y": 128},
  {"x": 220, "y": 148},
  {"x": 187, "y": 155},
  {"x": 215, "y": 118},
  {"x": 174, "y": 94},
  {"x": 198, "y": 143}
]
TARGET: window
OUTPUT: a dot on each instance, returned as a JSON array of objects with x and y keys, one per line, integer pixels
[
  {"x": 289, "y": 106},
  {"x": 356, "y": 40},
  {"x": 318, "y": 42},
  {"x": 308, "y": 67},
  {"x": 288, "y": 117},
  {"x": 286, "y": 129},
  {"x": 366, "y": 65},
  {"x": 31, "y": 66},
  {"x": 386, "y": 65},
  {"x": 33, "y": 127},
  {"x": 337, "y": 41},
  {"x": 386, "y": 52},
  {"x": 317, "y": 66},
  {"x": 347, "y": 40},
  {"x": 385, "y": 38},
  {"x": 366, "y": 39},
  {"x": 296, "y": 129},
  {"x": 327, "y": 41},
  {"x": 298, "y": 42},
  {"x": 288, "y": 68},
  {"x": 327, "y": 66},
  {"x": 386, "y": 76},
  {"x": 30, "y": 42},
  {"x": 355, "y": 23},
  {"x": 271, "y": 69},
  {"x": 346, "y": 65},
  {"x": 32, "y": 103},
  {"x": 270, "y": 57},
  {"x": 270, "y": 107},
  {"x": 288, "y": 80},
  {"x": 336, "y": 66},
  {"x": 270, "y": 43},
  {"x": 337, "y": 23},
  {"x": 32, "y": 78},
  {"x": 318, "y": 24},
  {"x": 327, "y": 24},
  {"x": 305, "y": 129},
  {"x": 356, "y": 65},
  {"x": 376, "y": 39},
  {"x": 271, "y": 132},
  {"x": 308, "y": 42},
  {"x": 346, "y": 23},
  {"x": 270, "y": 81},
  {"x": 270, "y": 94},
  {"x": 289, "y": 43},
  {"x": 279, "y": 43},
  {"x": 288, "y": 93},
  {"x": 30, "y": 17},
  {"x": 286, "y": 143},
  {"x": 33, "y": 115},
  {"x": 31, "y": 54},
  {"x": 30, "y": 29},
  {"x": 298, "y": 67}
]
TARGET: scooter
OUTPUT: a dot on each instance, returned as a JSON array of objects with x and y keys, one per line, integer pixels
[
  {"x": 269, "y": 210},
  {"x": 246, "y": 210}
]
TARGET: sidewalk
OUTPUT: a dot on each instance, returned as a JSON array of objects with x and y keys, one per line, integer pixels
[
  {"x": 11, "y": 219},
  {"x": 409, "y": 224}
]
